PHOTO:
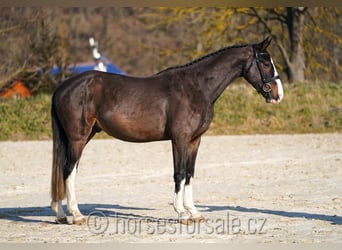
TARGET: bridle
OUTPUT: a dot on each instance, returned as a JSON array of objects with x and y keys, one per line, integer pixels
[{"x": 266, "y": 87}]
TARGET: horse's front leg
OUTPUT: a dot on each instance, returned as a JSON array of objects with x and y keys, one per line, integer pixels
[
  {"x": 184, "y": 156},
  {"x": 184, "y": 216},
  {"x": 190, "y": 170},
  {"x": 195, "y": 216},
  {"x": 179, "y": 150}
]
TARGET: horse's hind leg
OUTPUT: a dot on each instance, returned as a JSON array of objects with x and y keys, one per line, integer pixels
[
  {"x": 72, "y": 205},
  {"x": 61, "y": 217},
  {"x": 56, "y": 206},
  {"x": 75, "y": 151},
  {"x": 76, "y": 148}
]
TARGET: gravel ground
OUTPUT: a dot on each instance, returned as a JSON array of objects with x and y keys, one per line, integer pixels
[{"x": 257, "y": 188}]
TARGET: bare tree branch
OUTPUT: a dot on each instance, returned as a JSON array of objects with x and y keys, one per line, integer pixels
[
  {"x": 18, "y": 26},
  {"x": 277, "y": 16},
  {"x": 278, "y": 42}
]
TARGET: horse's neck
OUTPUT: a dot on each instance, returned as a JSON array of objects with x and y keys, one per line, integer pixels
[{"x": 219, "y": 71}]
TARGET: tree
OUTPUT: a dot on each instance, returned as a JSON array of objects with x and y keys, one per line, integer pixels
[
  {"x": 13, "y": 22},
  {"x": 212, "y": 27},
  {"x": 307, "y": 39},
  {"x": 295, "y": 25},
  {"x": 49, "y": 49},
  {"x": 33, "y": 47},
  {"x": 303, "y": 36},
  {"x": 142, "y": 41},
  {"x": 294, "y": 19}
]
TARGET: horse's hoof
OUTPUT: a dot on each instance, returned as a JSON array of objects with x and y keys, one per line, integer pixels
[
  {"x": 198, "y": 219},
  {"x": 63, "y": 220},
  {"x": 187, "y": 221},
  {"x": 79, "y": 221}
]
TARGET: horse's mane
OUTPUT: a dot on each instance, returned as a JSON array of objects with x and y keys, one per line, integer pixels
[{"x": 204, "y": 57}]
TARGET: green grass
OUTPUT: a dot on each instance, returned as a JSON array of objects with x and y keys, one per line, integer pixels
[
  {"x": 306, "y": 108},
  {"x": 25, "y": 119}
]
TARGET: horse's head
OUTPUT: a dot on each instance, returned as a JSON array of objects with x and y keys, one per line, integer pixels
[{"x": 260, "y": 71}]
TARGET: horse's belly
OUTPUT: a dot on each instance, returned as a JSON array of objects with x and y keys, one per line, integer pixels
[{"x": 138, "y": 128}]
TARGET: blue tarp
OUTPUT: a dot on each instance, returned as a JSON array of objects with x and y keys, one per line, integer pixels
[{"x": 111, "y": 68}]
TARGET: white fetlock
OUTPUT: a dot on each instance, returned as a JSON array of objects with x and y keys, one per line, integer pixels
[
  {"x": 61, "y": 217},
  {"x": 178, "y": 200},
  {"x": 189, "y": 204},
  {"x": 79, "y": 219}
]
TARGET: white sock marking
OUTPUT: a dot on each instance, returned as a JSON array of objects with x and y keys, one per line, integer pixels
[
  {"x": 188, "y": 200},
  {"x": 70, "y": 193},
  {"x": 57, "y": 207},
  {"x": 178, "y": 201}
]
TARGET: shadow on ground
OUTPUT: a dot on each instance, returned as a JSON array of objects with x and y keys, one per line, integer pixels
[
  {"x": 38, "y": 214},
  {"x": 333, "y": 219}
]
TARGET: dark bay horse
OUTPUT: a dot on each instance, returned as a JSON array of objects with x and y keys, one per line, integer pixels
[{"x": 176, "y": 104}]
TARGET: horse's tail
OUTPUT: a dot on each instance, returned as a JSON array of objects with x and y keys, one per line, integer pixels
[{"x": 59, "y": 156}]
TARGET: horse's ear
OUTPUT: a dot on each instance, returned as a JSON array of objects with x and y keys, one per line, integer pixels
[{"x": 264, "y": 44}]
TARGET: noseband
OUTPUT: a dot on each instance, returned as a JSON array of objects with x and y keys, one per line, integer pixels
[{"x": 266, "y": 87}]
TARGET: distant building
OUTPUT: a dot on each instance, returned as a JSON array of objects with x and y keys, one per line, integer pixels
[{"x": 14, "y": 90}]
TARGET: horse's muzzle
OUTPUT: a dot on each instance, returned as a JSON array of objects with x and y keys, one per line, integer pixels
[{"x": 273, "y": 101}]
